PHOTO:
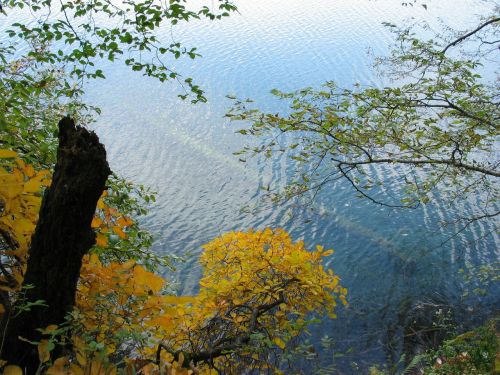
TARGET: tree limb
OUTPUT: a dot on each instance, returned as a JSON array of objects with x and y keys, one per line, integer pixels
[{"x": 463, "y": 37}]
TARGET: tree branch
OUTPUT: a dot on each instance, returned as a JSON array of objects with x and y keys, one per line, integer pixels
[
  {"x": 451, "y": 162},
  {"x": 463, "y": 37}
]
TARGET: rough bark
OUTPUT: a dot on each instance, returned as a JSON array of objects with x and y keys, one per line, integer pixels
[{"x": 62, "y": 237}]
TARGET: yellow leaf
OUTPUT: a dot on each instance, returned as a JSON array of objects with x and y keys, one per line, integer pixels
[
  {"x": 149, "y": 279},
  {"x": 2, "y": 309},
  {"x": 119, "y": 231},
  {"x": 7, "y": 154},
  {"x": 81, "y": 358},
  {"x": 43, "y": 351},
  {"x": 100, "y": 204},
  {"x": 181, "y": 359},
  {"x": 177, "y": 300},
  {"x": 75, "y": 370},
  {"x": 101, "y": 240},
  {"x": 32, "y": 186},
  {"x": 279, "y": 342},
  {"x": 96, "y": 222},
  {"x": 29, "y": 171},
  {"x": 21, "y": 225},
  {"x": 128, "y": 264},
  {"x": 124, "y": 221},
  {"x": 20, "y": 163},
  {"x": 160, "y": 321},
  {"x": 10, "y": 189},
  {"x": 12, "y": 370},
  {"x": 96, "y": 367}
]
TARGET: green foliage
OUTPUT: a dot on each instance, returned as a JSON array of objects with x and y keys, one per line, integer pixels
[
  {"x": 33, "y": 97},
  {"x": 479, "y": 280},
  {"x": 438, "y": 123},
  {"x": 469, "y": 353},
  {"x": 131, "y": 201},
  {"x": 258, "y": 302},
  {"x": 65, "y": 42},
  {"x": 26, "y": 305},
  {"x": 77, "y": 34}
]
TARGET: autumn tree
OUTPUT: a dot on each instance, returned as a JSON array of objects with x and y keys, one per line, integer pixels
[
  {"x": 437, "y": 123},
  {"x": 256, "y": 293}
]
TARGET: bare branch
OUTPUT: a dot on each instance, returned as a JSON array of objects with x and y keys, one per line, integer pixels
[{"x": 463, "y": 37}]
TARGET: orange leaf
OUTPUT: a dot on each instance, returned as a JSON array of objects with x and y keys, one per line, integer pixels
[
  {"x": 124, "y": 221},
  {"x": 96, "y": 222},
  {"x": 7, "y": 154},
  {"x": 100, "y": 204},
  {"x": 29, "y": 170},
  {"x": 119, "y": 232},
  {"x": 101, "y": 240}
]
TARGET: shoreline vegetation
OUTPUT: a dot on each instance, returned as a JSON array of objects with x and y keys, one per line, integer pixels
[{"x": 472, "y": 352}]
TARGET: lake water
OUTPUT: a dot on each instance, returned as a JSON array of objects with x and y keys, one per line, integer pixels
[{"x": 389, "y": 260}]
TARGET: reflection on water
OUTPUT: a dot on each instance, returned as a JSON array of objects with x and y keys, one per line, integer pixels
[{"x": 389, "y": 260}]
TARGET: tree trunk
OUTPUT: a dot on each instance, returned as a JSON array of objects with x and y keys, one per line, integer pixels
[{"x": 62, "y": 237}]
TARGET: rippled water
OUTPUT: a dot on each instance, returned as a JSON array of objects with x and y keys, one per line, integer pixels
[{"x": 389, "y": 260}]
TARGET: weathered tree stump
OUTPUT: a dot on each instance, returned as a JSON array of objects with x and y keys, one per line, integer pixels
[{"x": 62, "y": 237}]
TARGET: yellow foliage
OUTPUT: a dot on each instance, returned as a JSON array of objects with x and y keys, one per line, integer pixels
[
  {"x": 20, "y": 200},
  {"x": 250, "y": 280},
  {"x": 108, "y": 220},
  {"x": 115, "y": 298},
  {"x": 249, "y": 272},
  {"x": 243, "y": 273}
]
